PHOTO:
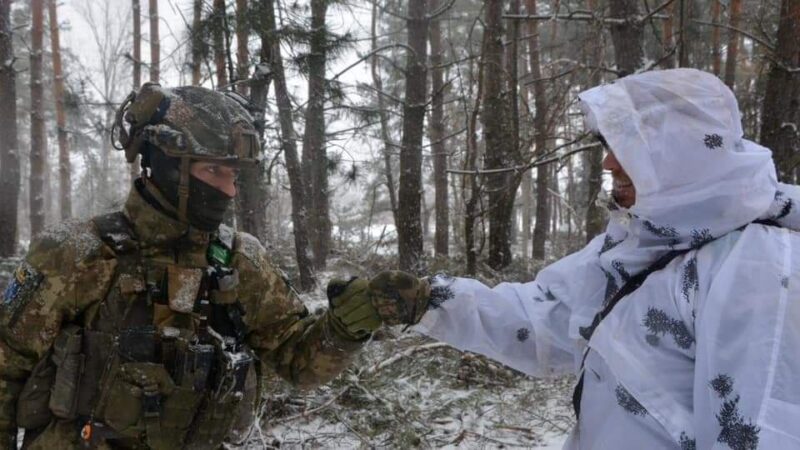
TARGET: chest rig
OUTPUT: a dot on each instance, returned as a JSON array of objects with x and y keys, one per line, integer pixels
[{"x": 163, "y": 358}]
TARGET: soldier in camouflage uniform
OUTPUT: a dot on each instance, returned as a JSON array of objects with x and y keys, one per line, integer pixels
[{"x": 149, "y": 327}]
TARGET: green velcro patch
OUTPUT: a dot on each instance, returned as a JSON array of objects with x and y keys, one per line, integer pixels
[{"x": 218, "y": 254}]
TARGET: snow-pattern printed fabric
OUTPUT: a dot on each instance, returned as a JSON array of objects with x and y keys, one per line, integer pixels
[
  {"x": 688, "y": 196},
  {"x": 629, "y": 402},
  {"x": 738, "y": 433}
]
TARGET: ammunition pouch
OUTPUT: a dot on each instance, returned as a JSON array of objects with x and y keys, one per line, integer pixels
[
  {"x": 33, "y": 409},
  {"x": 68, "y": 360}
]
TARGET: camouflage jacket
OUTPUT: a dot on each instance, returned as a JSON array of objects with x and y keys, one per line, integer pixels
[{"x": 70, "y": 271}]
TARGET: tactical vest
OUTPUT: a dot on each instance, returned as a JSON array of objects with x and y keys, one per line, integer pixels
[{"x": 161, "y": 362}]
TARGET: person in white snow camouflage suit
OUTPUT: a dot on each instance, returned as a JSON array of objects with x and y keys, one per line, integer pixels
[{"x": 682, "y": 320}]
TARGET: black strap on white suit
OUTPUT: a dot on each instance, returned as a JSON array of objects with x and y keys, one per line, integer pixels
[{"x": 634, "y": 283}]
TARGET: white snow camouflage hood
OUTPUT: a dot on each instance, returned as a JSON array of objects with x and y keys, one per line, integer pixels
[{"x": 678, "y": 135}]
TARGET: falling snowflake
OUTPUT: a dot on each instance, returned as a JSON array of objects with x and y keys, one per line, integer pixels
[
  {"x": 523, "y": 334},
  {"x": 628, "y": 402},
  {"x": 713, "y": 141}
]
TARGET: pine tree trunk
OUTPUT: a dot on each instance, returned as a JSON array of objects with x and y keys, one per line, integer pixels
[
  {"x": 252, "y": 199},
  {"x": 669, "y": 34},
  {"x": 136, "y": 13},
  {"x": 409, "y": 227},
  {"x": 38, "y": 153},
  {"x": 65, "y": 198},
  {"x": 627, "y": 36},
  {"x": 289, "y": 147},
  {"x": 242, "y": 55},
  {"x": 219, "y": 43},
  {"x": 436, "y": 133},
  {"x": 155, "y": 47},
  {"x": 595, "y": 215},
  {"x": 780, "y": 124},
  {"x": 387, "y": 144},
  {"x": 716, "y": 54},
  {"x": 197, "y": 41},
  {"x": 540, "y": 228},
  {"x": 733, "y": 43},
  {"x": 314, "y": 137},
  {"x": 9, "y": 153},
  {"x": 496, "y": 118}
]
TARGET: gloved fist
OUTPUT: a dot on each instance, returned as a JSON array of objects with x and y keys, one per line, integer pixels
[
  {"x": 351, "y": 307},
  {"x": 399, "y": 297}
]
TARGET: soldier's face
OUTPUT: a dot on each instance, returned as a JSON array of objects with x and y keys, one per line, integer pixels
[
  {"x": 623, "y": 191},
  {"x": 219, "y": 176}
]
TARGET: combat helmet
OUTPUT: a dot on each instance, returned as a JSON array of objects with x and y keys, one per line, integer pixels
[{"x": 187, "y": 123}]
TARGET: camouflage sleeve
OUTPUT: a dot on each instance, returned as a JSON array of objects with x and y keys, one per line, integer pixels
[
  {"x": 65, "y": 270},
  {"x": 305, "y": 350}
]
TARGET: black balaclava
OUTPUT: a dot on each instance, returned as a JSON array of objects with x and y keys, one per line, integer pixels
[{"x": 206, "y": 206}]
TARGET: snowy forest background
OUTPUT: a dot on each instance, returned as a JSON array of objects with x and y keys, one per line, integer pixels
[{"x": 421, "y": 134}]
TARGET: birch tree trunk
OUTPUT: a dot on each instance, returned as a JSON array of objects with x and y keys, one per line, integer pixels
[
  {"x": 64, "y": 170},
  {"x": 9, "y": 153},
  {"x": 436, "y": 133},
  {"x": 314, "y": 150},
  {"x": 155, "y": 47},
  {"x": 409, "y": 226},
  {"x": 289, "y": 147},
  {"x": 38, "y": 153},
  {"x": 780, "y": 124}
]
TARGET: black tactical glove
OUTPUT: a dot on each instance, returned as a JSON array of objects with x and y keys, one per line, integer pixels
[
  {"x": 399, "y": 297},
  {"x": 353, "y": 313}
]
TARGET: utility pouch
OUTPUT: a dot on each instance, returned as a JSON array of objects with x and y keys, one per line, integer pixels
[
  {"x": 234, "y": 371},
  {"x": 69, "y": 362},
  {"x": 33, "y": 404},
  {"x": 139, "y": 344},
  {"x": 193, "y": 363}
]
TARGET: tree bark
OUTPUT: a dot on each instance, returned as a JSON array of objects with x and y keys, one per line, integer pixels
[
  {"x": 627, "y": 36},
  {"x": 219, "y": 42},
  {"x": 385, "y": 137},
  {"x": 733, "y": 43},
  {"x": 496, "y": 119},
  {"x": 409, "y": 227},
  {"x": 436, "y": 133},
  {"x": 253, "y": 197},
  {"x": 595, "y": 214},
  {"x": 780, "y": 125},
  {"x": 197, "y": 41},
  {"x": 9, "y": 153},
  {"x": 314, "y": 137},
  {"x": 540, "y": 228},
  {"x": 64, "y": 170},
  {"x": 242, "y": 55},
  {"x": 289, "y": 148},
  {"x": 716, "y": 55},
  {"x": 155, "y": 46},
  {"x": 38, "y": 137},
  {"x": 136, "y": 12}
]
